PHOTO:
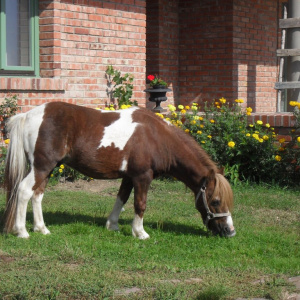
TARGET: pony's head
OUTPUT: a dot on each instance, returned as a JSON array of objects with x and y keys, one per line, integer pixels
[{"x": 215, "y": 202}]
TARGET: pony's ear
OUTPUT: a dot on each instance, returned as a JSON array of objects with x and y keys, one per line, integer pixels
[{"x": 221, "y": 170}]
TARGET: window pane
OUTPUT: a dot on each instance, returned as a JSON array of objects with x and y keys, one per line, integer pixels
[{"x": 18, "y": 32}]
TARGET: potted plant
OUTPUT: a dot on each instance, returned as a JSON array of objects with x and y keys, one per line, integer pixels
[{"x": 158, "y": 89}]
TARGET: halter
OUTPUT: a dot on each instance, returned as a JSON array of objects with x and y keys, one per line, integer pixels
[{"x": 210, "y": 215}]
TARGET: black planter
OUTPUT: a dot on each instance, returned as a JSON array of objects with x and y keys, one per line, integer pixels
[{"x": 157, "y": 95}]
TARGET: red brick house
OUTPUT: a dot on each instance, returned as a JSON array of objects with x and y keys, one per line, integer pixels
[{"x": 58, "y": 50}]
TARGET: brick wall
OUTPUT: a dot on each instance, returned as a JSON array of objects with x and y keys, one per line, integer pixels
[
  {"x": 78, "y": 40},
  {"x": 225, "y": 49},
  {"x": 255, "y": 40},
  {"x": 205, "y": 50}
]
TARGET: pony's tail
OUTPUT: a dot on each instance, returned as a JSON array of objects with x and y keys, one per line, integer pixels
[{"x": 15, "y": 168}]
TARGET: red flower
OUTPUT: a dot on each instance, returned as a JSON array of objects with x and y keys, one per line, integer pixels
[{"x": 151, "y": 77}]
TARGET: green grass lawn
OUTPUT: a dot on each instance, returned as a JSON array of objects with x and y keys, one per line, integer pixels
[{"x": 82, "y": 260}]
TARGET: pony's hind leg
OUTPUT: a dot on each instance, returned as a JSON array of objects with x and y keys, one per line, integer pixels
[
  {"x": 122, "y": 197},
  {"x": 24, "y": 194},
  {"x": 38, "y": 220}
]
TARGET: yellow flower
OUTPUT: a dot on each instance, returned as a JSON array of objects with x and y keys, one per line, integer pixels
[
  {"x": 255, "y": 135},
  {"x": 201, "y": 126},
  {"x": 278, "y": 157},
  {"x": 259, "y": 122},
  {"x": 187, "y": 130},
  {"x": 194, "y": 107},
  {"x": 60, "y": 170},
  {"x": 217, "y": 103},
  {"x": 203, "y": 142},
  {"x": 187, "y": 107},
  {"x": 168, "y": 119},
  {"x": 106, "y": 108},
  {"x": 231, "y": 144},
  {"x": 180, "y": 107},
  {"x": 200, "y": 119},
  {"x": 239, "y": 100},
  {"x": 298, "y": 139},
  {"x": 174, "y": 115},
  {"x": 128, "y": 105},
  {"x": 268, "y": 125},
  {"x": 183, "y": 111},
  {"x": 123, "y": 106},
  {"x": 260, "y": 140},
  {"x": 62, "y": 167},
  {"x": 251, "y": 125},
  {"x": 222, "y": 100},
  {"x": 160, "y": 115},
  {"x": 199, "y": 132},
  {"x": 7, "y": 141},
  {"x": 248, "y": 134},
  {"x": 218, "y": 106},
  {"x": 196, "y": 118},
  {"x": 179, "y": 122},
  {"x": 172, "y": 107},
  {"x": 249, "y": 109},
  {"x": 209, "y": 136},
  {"x": 212, "y": 121},
  {"x": 111, "y": 108},
  {"x": 265, "y": 137},
  {"x": 51, "y": 175},
  {"x": 98, "y": 108},
  {"x": 193, "y": 122},
  {"x": 248, "y": 113},
  {"x": 281, "y": 141},
  {"x": 293, "y": 103},
  {"x": 281, "y": 149}
]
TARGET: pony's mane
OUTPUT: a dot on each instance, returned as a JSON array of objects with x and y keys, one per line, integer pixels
[
  {"x": 223, "y": 188},
  {"x": 203, "y": 157}
]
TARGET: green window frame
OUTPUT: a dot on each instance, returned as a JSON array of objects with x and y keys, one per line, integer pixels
[{"x": 19, "y": 38}]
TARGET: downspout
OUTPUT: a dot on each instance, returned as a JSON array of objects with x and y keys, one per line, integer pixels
[{"x": 293, "y": 42}]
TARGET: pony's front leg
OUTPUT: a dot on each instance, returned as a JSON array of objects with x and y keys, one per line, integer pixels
[
  {"x": 123, "y": 195},
  {"x": 140, "y": 198}
]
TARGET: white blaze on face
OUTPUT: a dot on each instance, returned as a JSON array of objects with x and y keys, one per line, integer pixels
[
  {"x": 230, "y": 223},
  {"x": 120, "y": 131}
]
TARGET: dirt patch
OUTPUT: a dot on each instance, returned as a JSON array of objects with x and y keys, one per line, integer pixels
[{"x": 94, "y": 186}]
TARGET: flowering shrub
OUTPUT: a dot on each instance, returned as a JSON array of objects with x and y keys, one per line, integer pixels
[
  {"x": 247, "y": 151},
  {"x": 155, "y": 80}
]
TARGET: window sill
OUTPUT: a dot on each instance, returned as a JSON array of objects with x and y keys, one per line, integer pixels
[{"x": 32, "y": 84}]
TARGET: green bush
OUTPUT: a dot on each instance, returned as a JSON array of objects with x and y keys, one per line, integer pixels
[
  {"x": 247, "y": 151},
  {"x": 121, "y": 86}
]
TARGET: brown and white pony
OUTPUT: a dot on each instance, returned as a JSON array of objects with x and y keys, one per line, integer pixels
[{"x": 133, "y": 144}]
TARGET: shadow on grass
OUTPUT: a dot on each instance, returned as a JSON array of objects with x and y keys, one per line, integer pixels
[{"x": 63, "y": 218}]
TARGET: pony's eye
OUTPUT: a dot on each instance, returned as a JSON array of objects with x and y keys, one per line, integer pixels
[{"x": 215, "y": 203}]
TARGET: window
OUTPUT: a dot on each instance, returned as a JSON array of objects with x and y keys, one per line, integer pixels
[{"x": 19, "y": 38}]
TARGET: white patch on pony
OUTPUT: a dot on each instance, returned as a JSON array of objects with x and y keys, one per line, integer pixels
[
  {"x": 138, "y": 228},
  {"x": 34, "y": 119},
  {"x": 120, "y": 131},
  {"x": 124, "y": 165},
  {"x": 112, "y": 220}
]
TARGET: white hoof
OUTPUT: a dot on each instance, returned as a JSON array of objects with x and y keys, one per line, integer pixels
[
  {"x": 44, "y": 230},
  {"x": 112, "y": 226},
  {"x": 142, "y": 235}
]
